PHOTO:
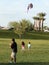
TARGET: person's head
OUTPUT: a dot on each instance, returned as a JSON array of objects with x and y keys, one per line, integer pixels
[
  {"x": 29, "y": 42},
  {"x": 13, "y": 39},
  {"x": 23, "y": 43}
]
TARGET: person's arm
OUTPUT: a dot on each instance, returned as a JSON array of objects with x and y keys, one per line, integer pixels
[{"x": 12, "y": 45}]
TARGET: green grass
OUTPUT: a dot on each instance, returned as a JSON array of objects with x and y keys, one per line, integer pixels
[
  {"x": 28, "y": 35},
  {"x": 37, "y": 55},
  {"x": 7, "y": 34}
]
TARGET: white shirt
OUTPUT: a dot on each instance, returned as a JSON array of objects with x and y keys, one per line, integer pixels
[{"x": 29, "y": 45}]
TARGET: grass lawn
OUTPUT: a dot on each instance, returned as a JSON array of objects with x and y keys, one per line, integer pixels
[{"x": 37, "y": 55}]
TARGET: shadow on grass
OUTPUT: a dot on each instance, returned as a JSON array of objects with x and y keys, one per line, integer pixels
[{"x": 27, "y": 63}]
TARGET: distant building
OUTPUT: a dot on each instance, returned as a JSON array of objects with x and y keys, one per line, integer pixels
[
  {"x": 3, "y": 28},
  {"x": 46, "y": 30}
]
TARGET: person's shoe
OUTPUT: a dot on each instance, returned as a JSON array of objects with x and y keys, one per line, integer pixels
[
  {"x": 14, "y": 62},
  {"x": 10, "y": 61}
]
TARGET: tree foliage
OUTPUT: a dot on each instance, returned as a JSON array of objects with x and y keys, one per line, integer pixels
[
  {"x": 21, "y": 27},
  {"x": 40, "y": 18}
]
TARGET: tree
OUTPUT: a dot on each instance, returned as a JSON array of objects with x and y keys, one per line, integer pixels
[
  {"x": 21, "y": 27},
  {"x": 26, "y": 25},
  {"x": 18, "y": 30},
  {"x": 41, "y": 16},
  {"x": 36, "y": 23},
  {"x": 13, "y": 24}
]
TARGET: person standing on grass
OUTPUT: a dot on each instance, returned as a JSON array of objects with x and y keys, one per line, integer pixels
[
  {"x": 14, "y": 51},
  {"x": 29, "y": 45},
  {"x": 23, "y": 45}
]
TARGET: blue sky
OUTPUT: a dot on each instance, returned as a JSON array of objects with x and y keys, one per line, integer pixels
[{"x": 15, "y": 10}]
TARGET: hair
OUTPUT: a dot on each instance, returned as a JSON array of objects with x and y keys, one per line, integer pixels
[
  {"x": 29, "y": 42},
  {"x": 23, "y": 43},
  {"x": 13, "y": 39}
]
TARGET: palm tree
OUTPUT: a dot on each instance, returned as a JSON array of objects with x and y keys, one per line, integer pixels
[
  {"x": 41, "y": 17},
  {"x": 36, "y": 19}
]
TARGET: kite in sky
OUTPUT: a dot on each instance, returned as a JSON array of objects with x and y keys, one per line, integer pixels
[{"x": 29, "y": 6}]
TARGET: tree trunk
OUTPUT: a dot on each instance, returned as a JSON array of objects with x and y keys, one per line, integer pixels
[
  {"x": 42, "y": 25},
  {"x": 20, "y": 36},
  {"x": 39, "y": 25}
]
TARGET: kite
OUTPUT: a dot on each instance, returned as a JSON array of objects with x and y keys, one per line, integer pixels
[{"x": 29, "y": 6}]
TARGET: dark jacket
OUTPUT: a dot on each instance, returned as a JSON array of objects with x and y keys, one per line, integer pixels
[{"x": 14, "y": 47}]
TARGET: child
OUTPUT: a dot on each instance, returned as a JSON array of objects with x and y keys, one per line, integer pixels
[
  {"x": 23, "y": 45},
  {"x": 29, "y": 45}
]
